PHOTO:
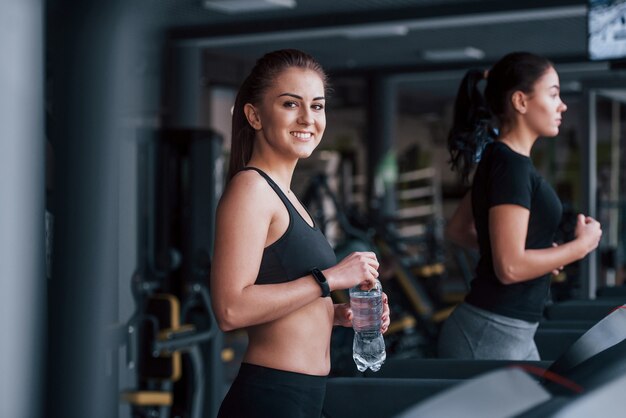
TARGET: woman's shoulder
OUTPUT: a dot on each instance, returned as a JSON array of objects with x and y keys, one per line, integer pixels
[
  {"x": 502, "y": 156},
  {"x": 247, "y": 187},
  {"x": 502, "y": 150},
  {"x": 248, "y": 180}
]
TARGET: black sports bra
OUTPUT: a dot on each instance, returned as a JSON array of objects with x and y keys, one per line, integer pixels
[{"x": 300, "y": 249}]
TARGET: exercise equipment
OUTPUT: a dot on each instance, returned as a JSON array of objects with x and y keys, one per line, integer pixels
[
  {"x": 566, "y": 324},
  {"x": 568, "y": 327},
  {"x": 348, "y": 397},
  {"x": 417, "y": 222},
  {"x": 612, "y": 292},
  {"x": 413, "y": 327},
  {"x": 497, "y": 394},
  {"x": 552, "y": 343},
  {"x": 446, "y": 368},
  {"x": 582, "y": 310},
  {"x": 595, "y": 364},
  {"x": 605, "y": 400},
  {"x": 603, "y": 395},
  {"x": 158, "y": 340},
  {"x": 173, "y": 342},
  {"x": 512, "y": 392},
  {"x": 609, "y": 331},
  {"x": 603, "y": 335}
]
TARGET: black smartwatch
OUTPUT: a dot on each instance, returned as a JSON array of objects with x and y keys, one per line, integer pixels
[{"x": 321, "y": 280}]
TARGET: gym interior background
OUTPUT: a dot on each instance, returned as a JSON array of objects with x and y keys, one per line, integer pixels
[{"x": 115, "y": 132}]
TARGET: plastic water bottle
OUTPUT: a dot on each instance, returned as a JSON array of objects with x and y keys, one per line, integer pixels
[{"x": 368, "y": 348}]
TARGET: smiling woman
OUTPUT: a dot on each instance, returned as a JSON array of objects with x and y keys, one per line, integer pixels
[
  {"x": 287, "y": 124},
  {"x": 253, "y": 94},
  {"x": 267, "y": 247}
]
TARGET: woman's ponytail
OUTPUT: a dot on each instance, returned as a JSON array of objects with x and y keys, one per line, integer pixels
[
  {"x": 479, "y": 117},
  {"x": 471, "y": 127},
  {"x": 242, "y": 133}
]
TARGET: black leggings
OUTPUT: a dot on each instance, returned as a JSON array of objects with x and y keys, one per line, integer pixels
[{"x": 261, "y": 392}]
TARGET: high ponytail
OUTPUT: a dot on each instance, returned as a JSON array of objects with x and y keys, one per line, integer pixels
[
  {"x": 261, "y": 77},
  {"x": 472, "y": 125},
  {"x": 479, "y": 117}
]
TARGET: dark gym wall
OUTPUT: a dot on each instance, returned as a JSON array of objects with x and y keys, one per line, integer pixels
[{"x": 22, "y": 273}]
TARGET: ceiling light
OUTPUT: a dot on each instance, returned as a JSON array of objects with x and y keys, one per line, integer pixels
[
  {"x": 410, "y": 24},
  {"x": 573, "y": 86},
  {"x": 456, "y": 54},
  {"x": 376, "y": 31},
  {"x": 580, "y": 67},
  {"x": 245, "y": 6}
]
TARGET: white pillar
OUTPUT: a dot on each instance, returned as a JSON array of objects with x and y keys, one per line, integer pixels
[{"x": 22, "y": 212}]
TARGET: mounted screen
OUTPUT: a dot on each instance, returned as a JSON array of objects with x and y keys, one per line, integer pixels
[{"x": 606, "y": 29}]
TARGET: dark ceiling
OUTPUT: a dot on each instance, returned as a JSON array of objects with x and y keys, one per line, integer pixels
[{"x": 333, "y": 31}]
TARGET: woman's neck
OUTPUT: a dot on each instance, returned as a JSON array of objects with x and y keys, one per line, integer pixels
[
  {"x": 519, "y": 139},
  {"x": 280, "y": 172}
]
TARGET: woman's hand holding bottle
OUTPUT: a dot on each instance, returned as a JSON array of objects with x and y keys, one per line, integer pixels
[{"x": 358, "y": 268}]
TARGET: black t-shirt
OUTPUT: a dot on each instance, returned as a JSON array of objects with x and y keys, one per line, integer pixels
[{"x": 506, "y": 177}]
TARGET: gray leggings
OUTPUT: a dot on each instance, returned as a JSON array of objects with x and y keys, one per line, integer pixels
[{"x": 474, "y": 333}]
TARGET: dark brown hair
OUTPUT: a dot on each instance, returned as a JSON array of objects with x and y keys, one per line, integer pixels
[
  {"x": 478, "y": 116},
  {"x": 263, "y": 74}
]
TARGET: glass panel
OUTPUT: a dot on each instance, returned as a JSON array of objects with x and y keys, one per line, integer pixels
[{"x": 611, "y": 186}]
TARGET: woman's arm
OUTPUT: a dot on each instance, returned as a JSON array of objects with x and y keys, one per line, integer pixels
[
  {"x": 460, "y": 228},
  {"x": 508, "y": 227},
  {"x": 243, "y": 220}
]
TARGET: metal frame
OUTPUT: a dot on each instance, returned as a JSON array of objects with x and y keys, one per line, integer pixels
[{"x": 589, "y": 179}]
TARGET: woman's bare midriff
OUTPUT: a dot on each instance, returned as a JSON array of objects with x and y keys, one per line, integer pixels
[{"x": 299, "y": 342}]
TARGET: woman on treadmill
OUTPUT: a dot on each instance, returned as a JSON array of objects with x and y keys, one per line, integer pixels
[
  {"x": 273, "y": 269},
  {"x": 511, "y": 213}
]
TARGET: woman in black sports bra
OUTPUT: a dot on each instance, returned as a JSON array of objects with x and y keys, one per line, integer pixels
[{"x": 272, "y": 268}]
